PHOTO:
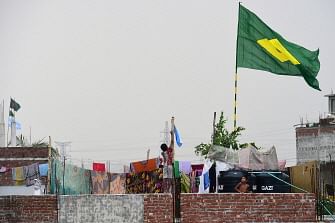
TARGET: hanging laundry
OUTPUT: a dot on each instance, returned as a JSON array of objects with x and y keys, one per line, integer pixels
[
  {"x": 3, "y": 169},
  {"x": 154, "y": 181},
  {"x": 43, "y": 168},
  {"x": 197, "y": 167},
  {"x": 145, "y": 182},
  {"x": 185, "y": 183},
  {"x": 31, "y": 173},
  {"x": 18, "y": 175},
  {"x": 117, "y": 183},
  {"x": 195, "y": 177},
  {"x": 185, "y": 167},
  {"x": 99, "y": 167},
  {"x": 100, "y": 182},
  {"x": 176, "y": 169},
  {"x": 135, "y": 183},
  {"x": 145, "y": 165},
  {"x": 204, "y": 179},
  {"x": 126, "y": 169},
  {"x": 76, "y": 180}
]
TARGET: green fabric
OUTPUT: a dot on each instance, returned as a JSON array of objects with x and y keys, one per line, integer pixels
[
  {"x": 176, "y": 169},
  {"x": 77, "y": 180},
  {"x": 250, "y": 53},
  {"x": 14, "y": 105}
]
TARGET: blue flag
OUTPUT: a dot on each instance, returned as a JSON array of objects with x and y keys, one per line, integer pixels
[
  {"x": 10, "y": 120},
  {"x": 178, "y": 140}
]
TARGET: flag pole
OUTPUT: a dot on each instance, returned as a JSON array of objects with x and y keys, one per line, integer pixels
[
  {"x": 235, "y": 100},
  {"x": 236, "y": 76},
  {"x": 8, "y": 123}
]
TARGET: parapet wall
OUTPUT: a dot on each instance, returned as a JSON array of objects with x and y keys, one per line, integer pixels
[{"x": 232, "y": 207}]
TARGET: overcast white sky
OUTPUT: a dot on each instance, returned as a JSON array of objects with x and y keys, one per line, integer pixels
[{"x": 106, "y": 75}]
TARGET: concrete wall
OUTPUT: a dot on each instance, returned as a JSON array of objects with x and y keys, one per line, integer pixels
[
  {"x": 311, "y": 148},
  {"x": 101, "y": 208},
  {"x": 19, "y": 190}
]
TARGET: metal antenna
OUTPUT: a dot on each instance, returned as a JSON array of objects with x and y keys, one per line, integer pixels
[
  {"x": 62, "y": 146},
  {"x": 166, "y": 133}
]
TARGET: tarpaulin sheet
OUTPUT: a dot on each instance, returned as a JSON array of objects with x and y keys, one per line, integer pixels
[{"x": 247, "y": 158}]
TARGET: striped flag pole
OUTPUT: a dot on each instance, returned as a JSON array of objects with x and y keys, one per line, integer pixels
[
  {"x": 235, "y": 102},
  {"x": 235, "y": 89}
]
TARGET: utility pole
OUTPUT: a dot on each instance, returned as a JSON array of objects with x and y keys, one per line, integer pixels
[
  {"x": 166, "y": 132},
  {"x": 332, "y": 173},
  {"x": 63, "y": 146},
  {"x": 166, "y": 135}
]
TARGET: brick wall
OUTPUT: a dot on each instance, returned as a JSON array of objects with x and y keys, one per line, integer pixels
[
  {"x": 158, "y": 208},
  {"x": 20, "y": 156},
  {"x": 21, "y": 152},
  {"x": 247, "y": 208},
  {"x": 28, "y": 209}
]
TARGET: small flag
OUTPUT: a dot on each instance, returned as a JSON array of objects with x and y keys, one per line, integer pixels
[
  {"x": 99, "y": 167},
  {"x": 14, "y": 105},
  {"x": 261, "y": 48},
  {"x": 10, "y": 120},
  {"x": 178, "y": 140}
]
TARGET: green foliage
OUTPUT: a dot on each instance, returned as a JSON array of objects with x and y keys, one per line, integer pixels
[
  {"x": 222, "y": 137},
  {"x": 40, "y": 143},
  {"x": 21, "y": 141}
]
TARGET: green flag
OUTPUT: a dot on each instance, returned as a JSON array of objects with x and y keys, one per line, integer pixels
[
  {"x": 14, "y": 105},
  {"x": 11, "y": 113},
  {"x": 261, "y": 48}
]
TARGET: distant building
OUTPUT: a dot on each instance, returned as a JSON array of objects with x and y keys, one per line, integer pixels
[{"x": 316, "y": 141}]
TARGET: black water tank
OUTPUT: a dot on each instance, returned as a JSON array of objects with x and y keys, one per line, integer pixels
[
  {"x": 227, "y": 180},
  {"x": 269, "y": 184}
]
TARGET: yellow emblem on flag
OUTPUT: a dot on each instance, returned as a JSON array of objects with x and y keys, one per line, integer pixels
[{"x": 276, "y": 49}]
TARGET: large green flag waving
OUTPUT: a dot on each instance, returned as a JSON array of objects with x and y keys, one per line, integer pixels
[{"x": 261, "y": 48}]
